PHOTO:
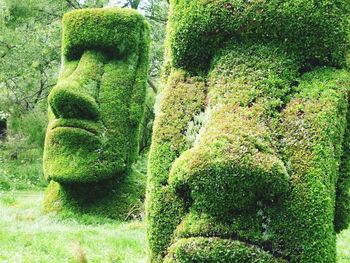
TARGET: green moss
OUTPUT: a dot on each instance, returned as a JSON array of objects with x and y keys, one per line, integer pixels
[
  {"x": 232, "y": 156},
  {"x": 114, "y": 30},
  {"x": 313, "y": 129},
  {"x": 80, "y": 88},
  {"x": 186, "y": 96},
  {"x": 342, "y": 212},
  {"x": 316, "y": 31},
  {"x": 217, "y": 250},
  {"x": 267, "y": 172},
  {"x": 161, "y": 200},
  {"x": 96, "y": 110},
  {"x": 118, "y": 198},
  {"x": 263, "y": 169},
  {"x": 245, "y": 226}
]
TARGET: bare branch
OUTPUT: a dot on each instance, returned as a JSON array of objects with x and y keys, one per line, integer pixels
[
  {"x": 71, "y": 4},
  {"x": 125, "y": 5},
  {"x": 8, "y": 46},
  {"x": 152, "y": 85},
  {"x": 157, "y": 19},
  {"x": 47, "y": 12}
]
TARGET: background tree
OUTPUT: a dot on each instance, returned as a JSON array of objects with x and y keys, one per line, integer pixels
[{"x": 30, "y": 46}]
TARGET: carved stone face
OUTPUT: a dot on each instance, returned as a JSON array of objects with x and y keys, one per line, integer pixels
[
  {"x": 96, "y": 107},
  {"x": 241, "y": 164}
]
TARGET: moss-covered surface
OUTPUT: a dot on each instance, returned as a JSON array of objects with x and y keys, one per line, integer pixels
[
  {"x": 313, "y": 129},
  {"x": 114, "y": 30},
  {"x": 186, "y": 96},
  {"x": 217, "y": 250},
  {"x": 95, "y": 112},
  {"x": 118, "y": 198},
  {"x": 315, "y": 31},
  {"x": 252, "y": 152}
]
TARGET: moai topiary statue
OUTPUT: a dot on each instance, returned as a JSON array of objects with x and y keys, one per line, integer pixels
[
  {"x": 95, "y": 112},
  {"x": 250, "y": 153}
]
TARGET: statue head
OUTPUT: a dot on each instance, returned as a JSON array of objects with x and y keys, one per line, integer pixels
[
  {"x": 316, "y": 31},
  {"x": 96, "y": 108},
  {"x": 247, "y": 164}
]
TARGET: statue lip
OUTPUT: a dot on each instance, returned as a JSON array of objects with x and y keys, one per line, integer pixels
[
  {"x": 92, "y": 127},
  {"x": 225, "y": 235}
]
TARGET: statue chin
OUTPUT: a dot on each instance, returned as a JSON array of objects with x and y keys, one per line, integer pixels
[{"x": 74, "y": 155}]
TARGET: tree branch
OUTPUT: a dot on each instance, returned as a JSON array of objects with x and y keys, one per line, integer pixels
[
  {"x": 152, "y": 85},
  {"x": 157, "y": 19},
  {"x": 134, "y": 3},
  {"x": 70, "y": 3},
  {"x": 47, "y": 12},
  {"x": 8, "y": 46}
]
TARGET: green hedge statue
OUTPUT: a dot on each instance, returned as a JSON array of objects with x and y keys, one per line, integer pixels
[
  {"x": 250, "y": 156},
  {"x": 95, "y": 112}
]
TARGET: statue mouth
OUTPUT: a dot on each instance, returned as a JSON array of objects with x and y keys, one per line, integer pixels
[
  {"x": 203, "y": 232},
  {"x": 74, "y": 152},
  {"x": 94, "y": 128}
]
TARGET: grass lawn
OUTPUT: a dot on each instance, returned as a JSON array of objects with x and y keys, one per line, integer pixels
[
  {"x": 343, "y": 246},
  {"x": 28, "y": 236}
]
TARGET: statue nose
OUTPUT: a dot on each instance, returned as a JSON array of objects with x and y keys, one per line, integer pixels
[
  {"x": 75, "y": 96},
  {"x": 67, "y": 102},
  {"x": 208, "y": 185},
  {"x": 214, "y": 183}
]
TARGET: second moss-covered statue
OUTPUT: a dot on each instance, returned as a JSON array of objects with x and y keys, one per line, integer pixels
[
  {"x": 95, "y": 113},
  {"x": 250, "y": 153}
]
